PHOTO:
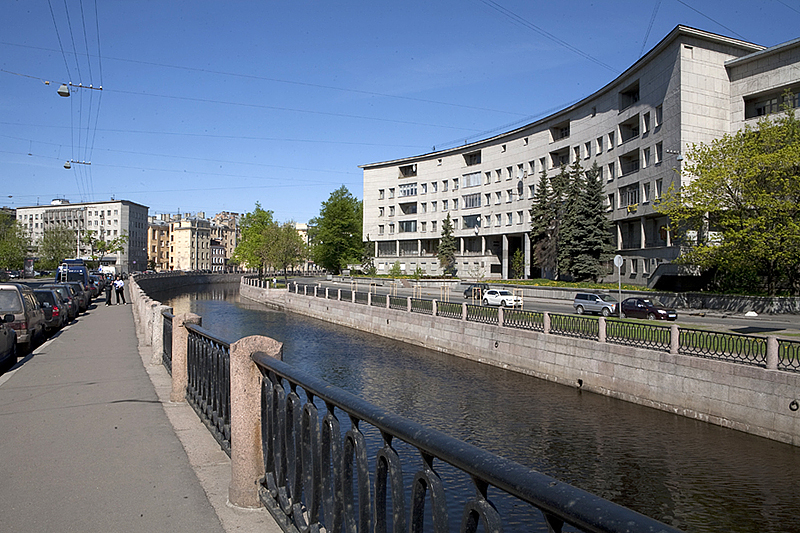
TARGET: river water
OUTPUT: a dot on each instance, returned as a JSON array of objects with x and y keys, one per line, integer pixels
[{"x": 689, "y": 474}]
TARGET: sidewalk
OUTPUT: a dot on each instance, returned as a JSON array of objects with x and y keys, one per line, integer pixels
[{"x": 90, "y": 441}]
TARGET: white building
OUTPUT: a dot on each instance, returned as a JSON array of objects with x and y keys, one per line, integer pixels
[
  {"x": 108, "y": 220},
  {"x": 692, "y": 87}
]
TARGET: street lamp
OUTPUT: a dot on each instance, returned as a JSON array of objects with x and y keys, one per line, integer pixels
[{"x": 64, "y": 89}]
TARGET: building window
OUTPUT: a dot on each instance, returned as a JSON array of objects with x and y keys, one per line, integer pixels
[
  {"x": 645, "y": 193},
  {"x": 611, "y": 141},
  {"x": 646, "y": 123},
  {"x": 611, "y": 171},
  {"x": 629, "y": 196},
  {"x": 488, "y": 178},
  {"x": 473, "y": 158},
  {"x": 407, "y": 226},
  {"x": 488, "y": 220},
  {"x": 424, "y": 206},
  {"x": 559, "y": 158},
  {"x": 509, "y": 219},
  {"x": 499, "y": 197},
  {"x": 520, "y": 171},
  {"x": 455, "y": 184},
  {"x": 391, "y": 210},
  {"x": 434, "y": 187},
  {"x": 423, "y": 226},
  {"x": 629, "y": 96},
  {"x": 455, "y": 204},
  {"x": 659, "y": 152},
  {"x": 433, "y": 226},
  {"x": 520, "y": 217},
  {"x": 391, "y": 193},
  {"x": 659, "y": 115},
  {"x": 509, "y": 195},
  {"x": 488, "y": 198},
  {"x": 531, "y": 191},
  {"x": 646, "y": 158},
  {"x": 659, "y": 185},
  {"x": 445, "y": 184},
  {"x": 409, "y": 208},
  {"x": 423, "y": 188},
  {"x": 472, "y": 180},
  {"x": 497, "y": 175},
  {"x": 408, "y": 171},
  {"x": 509, "y": 173},
  {"x": 472, "y": 200},
  {"x": 498, "y": 219},
  {"x": 610, "y": 202},
  {"x": 587, "y": 150},
  {"x": 444, "y": 205},
  {"x": 577, "y": 152},
  {"x": 629, "y": 129},
  {"x": 408, "y": 189},
  {"x": 391, "y": 229},
  {"x": 471, "y": 221},
  {"x": 380, "y": 212},
  {"x": 560, "y": 131},
  {"x": 629, "y": 163},
  {"x": 433, "y": 207}
]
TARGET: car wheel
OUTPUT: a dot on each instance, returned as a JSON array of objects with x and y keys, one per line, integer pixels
[
  {"x": 606, "y": 312},
  {"x": 579, "y": 309},
  {"x": 504, "y": 303},
  {"x": 622, "y": 315},
  {"x": 651, "y": 316},
  {"x": 485, "y": 301}
]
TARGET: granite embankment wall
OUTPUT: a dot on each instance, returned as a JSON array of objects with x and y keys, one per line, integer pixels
[
  {"x": 747, "y": 398},
  {"x": 170, "y": 281}
]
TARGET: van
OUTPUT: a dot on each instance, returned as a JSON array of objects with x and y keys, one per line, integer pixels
[
  {"x": 19, "y": 300},
  {"x": 595, "y": 303},
  {"x": 73, "y": 270}
]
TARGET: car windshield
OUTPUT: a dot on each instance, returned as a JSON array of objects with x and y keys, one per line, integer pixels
[
  {"x": 504, "y": 293},
  {"x": 10, "y": 302}
]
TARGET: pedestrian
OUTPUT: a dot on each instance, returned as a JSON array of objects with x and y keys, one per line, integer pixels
[
  {"x": 107, "y": 290},
  {"x": 119, "y": 289}
]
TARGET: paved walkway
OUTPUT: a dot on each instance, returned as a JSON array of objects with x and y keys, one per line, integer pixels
[{"x": 90, "y": 441}]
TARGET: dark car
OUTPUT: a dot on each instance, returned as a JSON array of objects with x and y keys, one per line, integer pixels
[
  {"x": 19, "y": 300},
  {"x": 55, "y": 310},
  {"x": 647, "y": 308},
  {"x": 70, "y": 301},
  {"x": 476, "y": 290},
  {"x": 8, "y": 341},
  {"x": 82, "y": 295}
]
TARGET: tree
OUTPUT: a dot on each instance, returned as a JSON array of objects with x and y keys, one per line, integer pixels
[
  {"x": 517, "y": 264},
  {"x": 447, "y": 248},
  {"x": 253, "y": 248},
  {"x": 336, "y": 233},
  {"x": 739, "y": 217},
  {"x": 99, "y": 247},
  {"x": 58, "y": 243},
  {"x": 586, "y": 240},
  {"x": 545, "y": 222},
  {"x": 14, "y": 243},
  {"x": 287, "y": 248},
  {"x": 396, "y": 271}
]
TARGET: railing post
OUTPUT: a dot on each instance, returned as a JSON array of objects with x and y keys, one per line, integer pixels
[
  {"x": 388, "y": 301},
  {"x": 305, "y": 290},
  {"x": 247, "y": 459},
  {"x": 546, "y": 322},
  {"x": 158, "y": 334},
  {"x": 353, "y": 297},
  {"x": 369, "y": 299},
  {"x": 464, "y": 311},
  {"x": 500, "y": 316},
  {"x": 315, "y": 291},
  {"x": 408, "y": 304},
  {"x": 180, "y": 348},
  {"x": 674, "y": 338},
  {"x": 434, "y": 307},
  {"x": 326, "y": 293},
  {"x": 601, "y": 329},
  {"x": 772, "y": 352},
  {"x": 339, "y": 295}
]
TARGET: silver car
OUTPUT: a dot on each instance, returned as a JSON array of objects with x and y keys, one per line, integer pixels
[{"x": 587, "y": 302}]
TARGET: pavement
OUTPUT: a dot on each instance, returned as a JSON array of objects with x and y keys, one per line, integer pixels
[{"x": 90, "y": 441}]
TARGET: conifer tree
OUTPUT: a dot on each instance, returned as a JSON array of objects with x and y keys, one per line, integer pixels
[
  {"x": 447, "y": 247},
  {"x": 592, "y": 235}
]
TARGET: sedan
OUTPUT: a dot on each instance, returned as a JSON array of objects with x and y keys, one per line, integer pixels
[
  {"x": 501, "y": 297},
  {"x": 8, "y": 341},
  {"x": 647, "y": 308}
]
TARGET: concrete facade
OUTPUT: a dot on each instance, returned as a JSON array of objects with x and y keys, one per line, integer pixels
[
  {"x": 692, "y": 87},
  {"x": 745, "y": 398},
  {"x": 108, "y": 220}
]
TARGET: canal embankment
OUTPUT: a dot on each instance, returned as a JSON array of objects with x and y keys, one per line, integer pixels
[{"x": 755, "y": 400}]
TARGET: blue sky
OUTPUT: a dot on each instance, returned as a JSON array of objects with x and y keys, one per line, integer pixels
[{"x": 211, "y": 106}]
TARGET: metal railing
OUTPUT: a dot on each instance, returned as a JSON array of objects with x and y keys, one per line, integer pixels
[
  {"x": 647, "y": 336},
  {"x": 732, "y": 347},
  {"x": 209, "y": 388},
  {"x": 362, "y": 298},
  {"x": 580, "y": 326},
  {"x": 319, "y": 475},
  {"x": 744, "y": 349},
  {"x": 166, "y": 354}
]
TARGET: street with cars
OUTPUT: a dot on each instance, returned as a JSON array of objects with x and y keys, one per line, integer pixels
[{"x": 32, "y": 310}]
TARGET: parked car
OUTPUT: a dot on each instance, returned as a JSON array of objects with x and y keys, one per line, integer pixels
[
  {"x": 82, "y": 295},
  {"x": 55, "y": 310},
  {"x": 19, "y": 300},
  {"x": 70, "y": 301},
  {"x": 476, "y": 290},
  {"x": 647, "y": 308},
  {"x": 587, "y": 302},
  {"x": 501, "y": 297},
  {"x": 8, "y": 340}
]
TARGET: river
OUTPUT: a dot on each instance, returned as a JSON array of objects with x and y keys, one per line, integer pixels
[{"x": 692, "y": 475}]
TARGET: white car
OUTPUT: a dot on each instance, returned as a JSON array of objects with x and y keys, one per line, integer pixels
[{"x": 501, "y": 297}]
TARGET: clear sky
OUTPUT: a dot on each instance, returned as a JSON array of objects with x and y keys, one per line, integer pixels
[{"x": 211, "y": 106}]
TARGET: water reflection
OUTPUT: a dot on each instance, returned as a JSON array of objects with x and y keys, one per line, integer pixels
[{"x": 692, "y": 475}]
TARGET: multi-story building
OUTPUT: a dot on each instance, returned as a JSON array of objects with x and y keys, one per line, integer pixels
[
  {"x": 225, "y": 228},
  {"x": 107, "y": 221},
  {"x": 158, "y": 242},
  {"x": 692, "y": 87},
  {"x": 190, "y": 243},
  {"x": 218, "y": 259}
]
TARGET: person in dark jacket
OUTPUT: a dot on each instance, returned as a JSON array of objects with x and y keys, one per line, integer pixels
[{"x": 107, "y": 290}]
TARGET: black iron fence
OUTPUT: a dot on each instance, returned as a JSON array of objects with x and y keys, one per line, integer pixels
[
  {"x": 745, "y": 349},
  {"x": 209, "y": 387},
  {"x": 166, "y": 354},
  {"x": 321, "y": 444}
]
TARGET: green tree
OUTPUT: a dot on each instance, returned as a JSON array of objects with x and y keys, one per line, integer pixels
[
  {"x": 570, "y": 221},
  {"x": 14, "y": 242},
  {"x": 98, "y": 247},
  {"x": 253, "y": 248},
  {"x": 396, "y": 271},
  {"x": 739, "y": 217},
  {"x": 335, "y": 234},
  {"x": 586, "y": 238},
  {"x": 517, "y": 265},
  {"x": 545, "y": 222},
  {"x": 287, "y": 248},
  {"x": 447, "y": 248},
  {"x": 58, "y": 243}
]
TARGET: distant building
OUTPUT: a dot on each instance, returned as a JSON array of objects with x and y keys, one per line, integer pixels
[
  {"x": 158, "y": 242},
  {"x": 225, "y": 228},
  {"x": 107, "y": 220},
  {"x": 190, "y": 243},
  {"x": 692, "y": 87}
]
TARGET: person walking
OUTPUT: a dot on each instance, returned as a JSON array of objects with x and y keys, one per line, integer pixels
[
  {"x": 107, "y": 290},
  {"x": 119, "y": 289}
]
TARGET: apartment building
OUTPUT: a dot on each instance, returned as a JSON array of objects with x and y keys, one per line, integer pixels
[
  {"x": 158, "y": 242},
  {"x": 225, "y": 228},
  {"x": 692, "y": 87},
  {"x": 107, "y": 220}
]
